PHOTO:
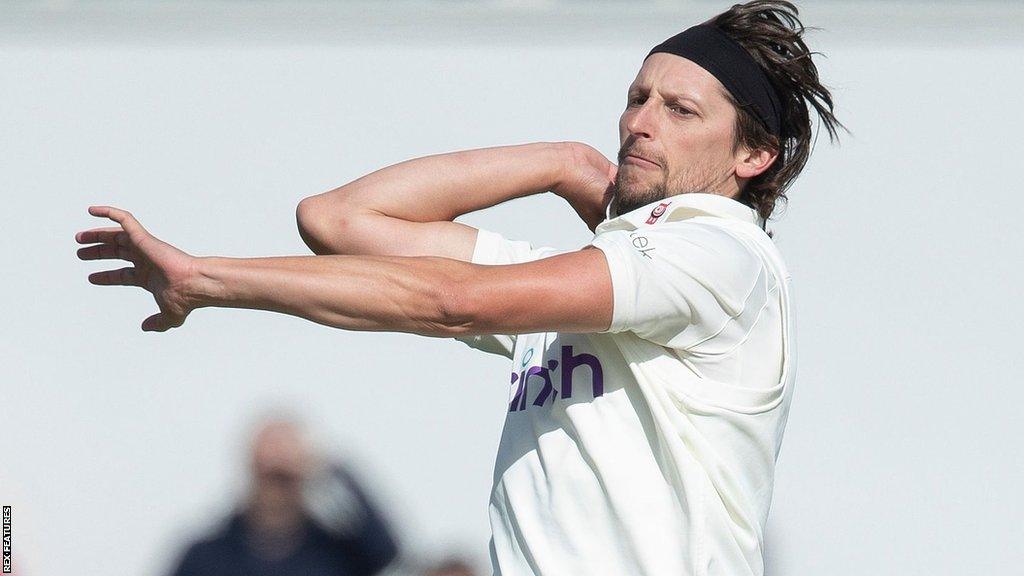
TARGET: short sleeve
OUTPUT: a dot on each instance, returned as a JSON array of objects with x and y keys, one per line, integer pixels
[
  {"x": 492, "y": 249},
  {"x": 679, "y": 284}
]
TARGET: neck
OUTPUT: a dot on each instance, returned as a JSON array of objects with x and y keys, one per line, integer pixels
[
  {"x": 730, "y": 186},
  {"x": 273, "y": 534},
  {"x": 276, "y": 520}
]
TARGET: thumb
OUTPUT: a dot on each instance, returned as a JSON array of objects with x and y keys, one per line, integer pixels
[{"x": 159, "y": 322}]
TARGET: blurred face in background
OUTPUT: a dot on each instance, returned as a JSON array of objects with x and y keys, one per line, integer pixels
[
  {"x": 280, "y": 466},
  {"x": 679, "y": 119}
]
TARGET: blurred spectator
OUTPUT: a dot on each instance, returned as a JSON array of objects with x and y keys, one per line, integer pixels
[
  {"x": 302, "y": 517},
  {"x": 451, "y": 567}
]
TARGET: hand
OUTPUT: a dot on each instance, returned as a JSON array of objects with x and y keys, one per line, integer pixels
[
  {"x": 330, "y": 498},
  {"x": 160, "y": 268},
  {"x": 587, "y": 183}
]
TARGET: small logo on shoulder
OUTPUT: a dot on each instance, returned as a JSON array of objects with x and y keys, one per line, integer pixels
[{"x": 658, "y": 212}]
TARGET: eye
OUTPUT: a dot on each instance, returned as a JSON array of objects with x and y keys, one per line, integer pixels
[
  {"x": 681, "y": 110},
  {"x": 633, "y": 100}
]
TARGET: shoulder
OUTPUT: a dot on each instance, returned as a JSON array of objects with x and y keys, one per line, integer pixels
[
  {"x": 696, "y": 245},
  {"x": 679, "y": 283},
  {"x": 209, "y": 553},
  {"x": 210, "y": 546}
]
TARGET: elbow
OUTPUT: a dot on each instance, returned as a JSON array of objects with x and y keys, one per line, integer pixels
[
  {"x": 306, "y": 212},
  {"x": 323, "y": 225},
  {"x": 309, "y": 217},
  {"x": 458, "y": 310}
]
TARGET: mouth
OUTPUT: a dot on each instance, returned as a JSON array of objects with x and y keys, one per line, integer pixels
[{"x": 640, "y": 161}]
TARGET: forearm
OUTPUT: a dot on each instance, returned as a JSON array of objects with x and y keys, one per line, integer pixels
[
  {"x": 372, "y": 293},
  {"x": 442, "y": 187}
]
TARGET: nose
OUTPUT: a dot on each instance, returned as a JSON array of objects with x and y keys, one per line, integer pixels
[{"x": 641, "y": 122}]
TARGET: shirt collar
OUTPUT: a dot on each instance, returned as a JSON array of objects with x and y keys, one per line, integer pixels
[{"x": 680, "y": 207}]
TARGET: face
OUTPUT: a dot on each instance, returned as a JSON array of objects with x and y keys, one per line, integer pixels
[
  {"x": 280, "y": 460},
  {"x": 677, "y": 116}
]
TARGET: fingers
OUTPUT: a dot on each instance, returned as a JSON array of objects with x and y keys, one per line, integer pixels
[
  {"x": 113, "y": 235},
  {"x": 119, "y": 277},
  {"x": 122, "y": 217},
  {"x": 113, "y": 241},
  {"x": 106, "y": 252}
]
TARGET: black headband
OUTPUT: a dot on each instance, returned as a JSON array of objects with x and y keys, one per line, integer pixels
[{"x": 712, "y": 50}]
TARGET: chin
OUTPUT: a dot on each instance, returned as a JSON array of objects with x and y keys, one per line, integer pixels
[{"x": 624, "y": 203}]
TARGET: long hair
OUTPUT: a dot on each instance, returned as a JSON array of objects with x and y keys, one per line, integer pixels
[{"x": 771, "y": 32}]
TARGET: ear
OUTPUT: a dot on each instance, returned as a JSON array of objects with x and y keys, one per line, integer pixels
[{"x": 750, "y": 163}]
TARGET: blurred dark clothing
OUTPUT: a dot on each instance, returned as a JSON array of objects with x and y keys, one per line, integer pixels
[
  {"x": 342, "y": 533},
  {"x": 304, "y": 515},
  {"x": 230, "y": 552}
]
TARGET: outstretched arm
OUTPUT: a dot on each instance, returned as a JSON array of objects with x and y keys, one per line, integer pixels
[{"x": 430, "y": 296}]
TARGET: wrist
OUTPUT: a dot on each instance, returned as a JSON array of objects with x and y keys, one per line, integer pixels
[
  {"x": 563, "y": 168},
  {"x": 202, "y": 288}
]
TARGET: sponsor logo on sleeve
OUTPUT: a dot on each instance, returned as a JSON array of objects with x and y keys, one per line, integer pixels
[
  {"x": 642, "y": 244},
  {"x": 658, "y": 212}
]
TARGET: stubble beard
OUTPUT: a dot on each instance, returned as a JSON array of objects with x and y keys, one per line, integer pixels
[
  {"x": 630, "y": 197},
  {"x": 632, "y": 193}
]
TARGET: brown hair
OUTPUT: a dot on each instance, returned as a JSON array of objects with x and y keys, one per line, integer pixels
[{"x": 771, "y": 32}]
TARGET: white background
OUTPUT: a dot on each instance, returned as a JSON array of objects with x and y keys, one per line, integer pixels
[{"x": 211, "y": 121}]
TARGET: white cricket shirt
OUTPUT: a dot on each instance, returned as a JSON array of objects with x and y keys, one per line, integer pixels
[{"x": 649, "y": 449}]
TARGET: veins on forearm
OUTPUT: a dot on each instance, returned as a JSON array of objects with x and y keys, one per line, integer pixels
[{"x": 367, "y": 293}]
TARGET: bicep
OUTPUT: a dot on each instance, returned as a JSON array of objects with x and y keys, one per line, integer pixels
[
  {"x": 568, "y": 292},
  {"x": 493, "y": 249}
]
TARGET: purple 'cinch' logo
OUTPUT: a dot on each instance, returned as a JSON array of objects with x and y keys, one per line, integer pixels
[{"x": 570, "y": 362}]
